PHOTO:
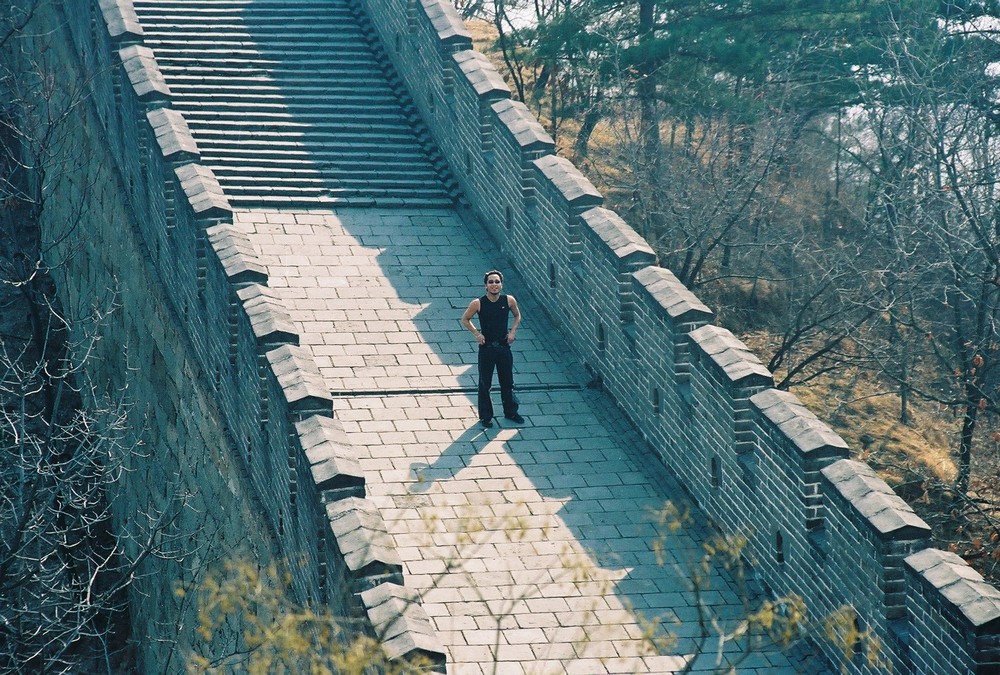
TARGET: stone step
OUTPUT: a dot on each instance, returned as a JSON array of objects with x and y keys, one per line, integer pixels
[
  {"x": 227, "y": 105},
  {"x": 325, "y": 171},
  {"x": 320, "y": 139},
  {"x": 272, "y": 181},
  {"x": 376, "y": 191},
  {"x": 163, "y": 43},
  {"x": 238, "y": 6},
  {"x": 328, "y": 201},
  {"x": 299, "y": 83},
  {"x": 190, "y": 67},
  {"x": 283, "y": 155},
  {"x": 191, "y": 11},
  {"x": 288, "y": 100},
  {"x": 295, "y": 121},
  {"x": 324, "y": 38},
  {"x": 293, "y": 118},
  {"x": 262, "y": 88},
  {"x": 277, "y": 105},
  {"x": 180, "y": 20},
  {"x": 336, "y": 154},
  {"x": 250, "y": 47}
]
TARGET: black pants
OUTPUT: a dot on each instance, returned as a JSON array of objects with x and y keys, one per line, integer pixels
[{"x": 496, "y": 355}]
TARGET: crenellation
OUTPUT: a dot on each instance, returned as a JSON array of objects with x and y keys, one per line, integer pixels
[
  {"x": 269, "y": 319},
  {"x": 402, "y": 625},
  {"x": 203, "y": 192},
  {"x": 333, "y": 461},
  {"x": 447, "y": 23},
  {"x": 236, "y": 254},
  {"x": 943, "y": 585},
  {"x": 144, "y": 73},
  {"x": 572, "y": 186},
  {"x": 364, "y": 543},
  {"x": 515, "y": 118},
  {"x": 173, "y": 136},
  {"x": 729, "y": 354},
  {"x": 121, "y": 20},
  {"x": 479, "y": 71},
  {"x": 300, "y": 380}
]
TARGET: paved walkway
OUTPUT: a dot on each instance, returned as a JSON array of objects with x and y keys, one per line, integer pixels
[{"x": 535, "y": 546}]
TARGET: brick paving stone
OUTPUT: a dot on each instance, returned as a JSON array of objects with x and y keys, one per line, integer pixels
[{"x": 532, "y": 546}]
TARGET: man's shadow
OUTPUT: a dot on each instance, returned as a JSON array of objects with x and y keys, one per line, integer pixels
[{"x": 455, "y": 458}]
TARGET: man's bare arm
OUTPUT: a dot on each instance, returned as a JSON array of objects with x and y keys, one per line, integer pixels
[
  {"x": 515, "y": 310},
  {"x": 466, "y": 321}
]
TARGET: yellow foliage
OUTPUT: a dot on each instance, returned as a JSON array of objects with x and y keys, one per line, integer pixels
[{"x": 276, "y": 634}]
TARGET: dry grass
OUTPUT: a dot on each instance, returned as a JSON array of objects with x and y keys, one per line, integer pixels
[
  {"x": 866, "y": 414},
  {"x": 917, "y": 458}
]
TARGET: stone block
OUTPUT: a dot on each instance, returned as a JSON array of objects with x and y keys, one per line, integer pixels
[
  {"x": 522, "y": 125},
  {"x": 203, "y": 192},
  {"x": 332, "y": 458},
  {"x": 121, "y": 20},
  {"x": 144, "y": 73},
  {"x": 270, "y": 322},
  {"x": 173, "y": 134},
  {"x": 482, "y": 75},
  {"x": 874, "y": 501},
  {"x": 447, "y": 23},
  {"x": 669, "y": 293},
  {"x": 622, "y": 241},
  {"x": 236, "y": 253},
  {"x": 568, "y": 181},
  {"x": 737, "y": 362},
  {"x": 362, "y": 538},
  {"x": 402, "y": 625},
  {"x": 963, "y": 587},
  {"x": 298, "y": 376},
  {"x": 798, "y": 423}
]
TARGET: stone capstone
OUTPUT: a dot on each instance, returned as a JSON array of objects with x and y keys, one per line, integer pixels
[
  {"x": 269, "y": 319},
  {"x": 729, "y": 353},
  {"x": 332, "y": 458},
  {"x": 977, "y": 600},
  {"x": 144, "y": 73},
  {"x": 402, "y": 625},
  {"x": 875, "y": 501},
  {"x": 363, "y": 538}
]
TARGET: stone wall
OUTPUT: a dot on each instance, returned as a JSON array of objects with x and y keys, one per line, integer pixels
[
  {"x": 241, "y": 445},
  {"x": 239, "y": 421},
  {"x": 756, "y": 461}
]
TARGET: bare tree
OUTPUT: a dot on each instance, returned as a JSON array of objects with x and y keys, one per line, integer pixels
[{"x": 925, "y": 150}]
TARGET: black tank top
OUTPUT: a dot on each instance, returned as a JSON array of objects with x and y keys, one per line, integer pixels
[{"x": 493, "y": 318}]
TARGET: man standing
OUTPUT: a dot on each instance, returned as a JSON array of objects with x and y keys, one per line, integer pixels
[{"x": 494, "y": 346}]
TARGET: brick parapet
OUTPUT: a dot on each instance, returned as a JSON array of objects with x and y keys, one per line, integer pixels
[
  {"x": 121, "y": 20},
  {"x": 869, "y": 530},
  {"x": 402, "y": 626},
  {"x": 943, "y": 583},
  {"x": 277, "y": 408},
  {"x": 173, "y": 136}
]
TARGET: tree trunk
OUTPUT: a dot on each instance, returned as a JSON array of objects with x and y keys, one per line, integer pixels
[
  {"x": 582, "y": 145},
  {"x": 648, "y": 117},
  {"x": 969, "y": 421}
]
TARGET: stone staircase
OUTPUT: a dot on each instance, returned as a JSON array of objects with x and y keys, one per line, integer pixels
[{"x": 292, "y": 103}]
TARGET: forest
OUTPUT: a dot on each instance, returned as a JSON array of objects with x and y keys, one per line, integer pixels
[{"x": 825, "y": 175}]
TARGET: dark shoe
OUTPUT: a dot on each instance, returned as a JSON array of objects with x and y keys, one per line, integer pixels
[
  {"x": 515, "y": 418},
  {"x": 486, "y": 423}
]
